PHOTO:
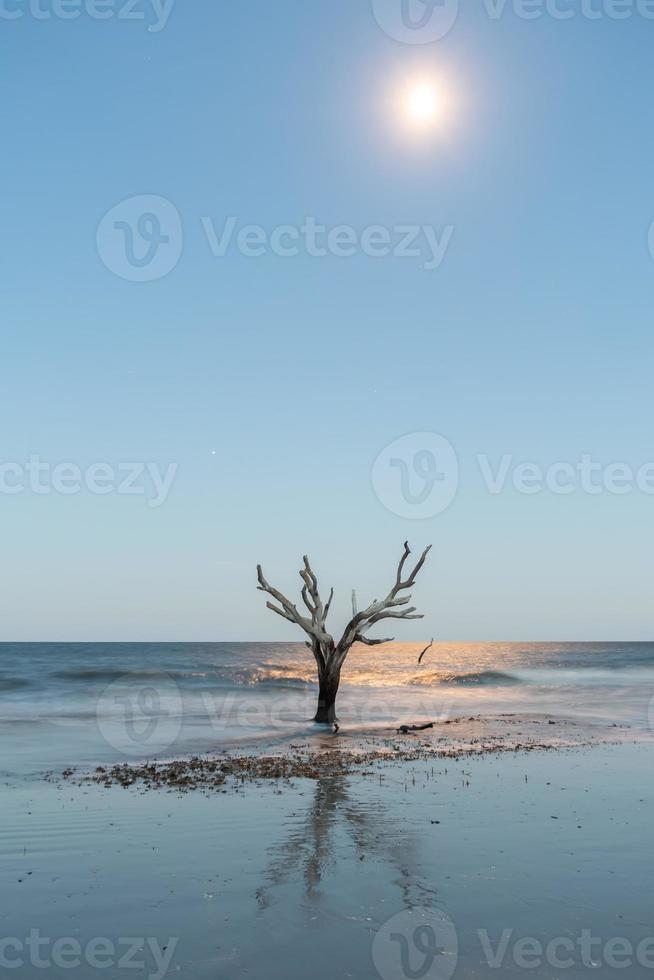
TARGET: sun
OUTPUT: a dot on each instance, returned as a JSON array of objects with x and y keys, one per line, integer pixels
[
  {"x": 424, "y": 105},
  {"x": 420, "y": 106}
]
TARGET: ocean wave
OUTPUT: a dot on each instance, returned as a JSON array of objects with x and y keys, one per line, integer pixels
[
  {"x": 541, "y": 677},
  {"x": 14, "y": 683},
  {"x": 263, "y": 675},
  {"x": 544, "y": 677},
  {"x": 481, "y": 677},
  {"x": 618, "y": 676},
  {"x": 108, "y": 674},
  {"x": 492, "y": 677},
  {"x": 270, "y": 675}
]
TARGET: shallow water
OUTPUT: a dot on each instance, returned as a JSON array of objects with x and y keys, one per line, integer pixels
[
  {"x": 262, "y": 884},
  {"x": 77, "y": 704},
  {"x": 445, "y": 863}
]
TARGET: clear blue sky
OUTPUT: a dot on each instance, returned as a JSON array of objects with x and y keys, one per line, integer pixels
[{"x": 275, "y": 382}]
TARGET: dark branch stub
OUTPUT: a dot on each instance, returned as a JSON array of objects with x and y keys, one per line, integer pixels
[{"x": 428, "y": 647}]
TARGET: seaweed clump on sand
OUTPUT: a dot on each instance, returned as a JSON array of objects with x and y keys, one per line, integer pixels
[{"x": 207, "y": 773}]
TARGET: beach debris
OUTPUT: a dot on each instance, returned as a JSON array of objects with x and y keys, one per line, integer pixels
[
  {"x": 407, "y": 729},
  {"x": 230, "y": 771}
]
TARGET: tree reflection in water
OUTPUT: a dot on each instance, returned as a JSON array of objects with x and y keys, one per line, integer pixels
[{"x": 340, "y": 827}]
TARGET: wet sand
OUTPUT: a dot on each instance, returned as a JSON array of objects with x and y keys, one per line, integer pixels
[
  {"x": 480, "y": 841},
  {"x": 338, "y": 752}
]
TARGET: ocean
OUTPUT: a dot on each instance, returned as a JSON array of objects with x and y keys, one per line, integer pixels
[
  {"x": 262, "y": 877},
  {"x": 78, "y": 704}
]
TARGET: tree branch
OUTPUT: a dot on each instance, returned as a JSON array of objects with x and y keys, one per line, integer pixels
[
  {"x": 360, "y": 638},
  {"x": 315, "y": 626},
  {"x": 305, "y": 597},
  {"x": 280, "y": 612},
  {"x": 409, "y": 613},
  {"x": 382, "y": 609}
]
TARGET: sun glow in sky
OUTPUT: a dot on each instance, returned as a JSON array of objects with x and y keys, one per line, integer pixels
[{"x": 424, "y": 103}]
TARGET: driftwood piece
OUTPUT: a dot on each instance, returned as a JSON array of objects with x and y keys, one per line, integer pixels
[{"x": 408, "y": 729}]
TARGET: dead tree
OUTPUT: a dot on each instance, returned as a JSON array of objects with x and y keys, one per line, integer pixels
[{"x": 328, "y": 654}]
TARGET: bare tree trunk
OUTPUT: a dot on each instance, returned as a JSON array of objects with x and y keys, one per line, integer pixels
[{"x": 328, "y": 682}]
